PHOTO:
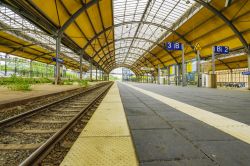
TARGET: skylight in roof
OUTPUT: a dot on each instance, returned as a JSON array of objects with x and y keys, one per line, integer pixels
[
  {"x": 19, "y": 24},
  {"x": 141, "y": 23}
]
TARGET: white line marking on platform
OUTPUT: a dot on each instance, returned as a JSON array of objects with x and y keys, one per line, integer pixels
[{"x": 237, "y": 129}]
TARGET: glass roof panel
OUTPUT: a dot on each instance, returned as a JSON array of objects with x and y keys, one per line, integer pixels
[
  {"x": 18, "y": 25},
  {"x": 144, "y": 22}
]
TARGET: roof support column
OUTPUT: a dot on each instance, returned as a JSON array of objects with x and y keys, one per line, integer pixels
[
  {"x": 198, "y": 68},
  {"x": 169, "y": 75},
  {"x": 184, "y": 83},
  {"x": 90, "y": 69},
  {"x": 248, "y": 57},
  {"x": 102, "y": 76},
  {"x": 96, "y": 74},
  {"x": 46, "y": 71},
  {"x": 15, "y": 64},
  {"x": 178, "y": 72},
  {"x": 58, "y": 46},
  {"x": 31, "y": 69},
  {"x": 159, "y": 75},
  {"x": 5, "y": 65},
  {"x": 81, "y": 66}
]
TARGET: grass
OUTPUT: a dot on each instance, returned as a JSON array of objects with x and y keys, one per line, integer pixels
[
  {"x": 68, "y": 82},
  {"x": 83, "y": 83},
  {"x": 18, "y": 83}
]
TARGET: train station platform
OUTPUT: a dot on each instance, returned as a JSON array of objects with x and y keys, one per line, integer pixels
[
  {"x": 177, "y": 126},
  {"x": 106, "y": 139}
]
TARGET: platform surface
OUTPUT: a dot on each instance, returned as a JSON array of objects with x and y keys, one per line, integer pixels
[
  {"x": 180, "y": 133},
  {"x": 106, "y": 139}
]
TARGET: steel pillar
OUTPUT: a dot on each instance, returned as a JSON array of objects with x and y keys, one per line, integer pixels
[
  {"x": 100, "y": 75},
  {"x": 231, "y": 75},
  {"x": 179, "y": 74},
  {"x": 248, "y": 69},
  {"x": 46, "y": 71},
  {"x": 198, "y": 67},
  {"x": 5, "y": 65},
  {"x": 213, "y": 75},
  {"x": 213, "y": 61},
  {"x": 159, "y": 74},
  {"x": 57, "y": 74},
  {"x": 81, "y": 66},
  {"x": 184, "y": 83},
  {"x": 169, "y": 75},
  {"x": 31, "y": 69},
  {"x": 15, "y": 70},
  {"x": 91, "y": 70},
  {"x": 96, "y": 74}
]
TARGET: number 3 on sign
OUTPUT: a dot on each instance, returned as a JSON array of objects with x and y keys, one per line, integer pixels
[{"x": 169, "y": 45}]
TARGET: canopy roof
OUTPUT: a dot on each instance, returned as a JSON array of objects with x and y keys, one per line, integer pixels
[{"x": 132, "y": 33}]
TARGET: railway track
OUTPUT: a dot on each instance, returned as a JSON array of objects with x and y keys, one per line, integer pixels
[
  {"x": 30, "y": 137},
  {"x": 13, "y": 108}
]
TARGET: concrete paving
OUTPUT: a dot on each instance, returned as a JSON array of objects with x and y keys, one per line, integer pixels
[
  {"x": 165, "y": 136},
  {"x": 229, "y": 103}
]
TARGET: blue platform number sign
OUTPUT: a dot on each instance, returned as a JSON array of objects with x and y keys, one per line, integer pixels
[
  {"x": 59, "y": 60},
  {"x": 246, "y": 73},
  {"x": 174, "y": 46},
  {"x": 221, "y": 49}
]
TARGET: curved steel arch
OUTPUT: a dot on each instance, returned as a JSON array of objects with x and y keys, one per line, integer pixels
[
  {"x": 109, "y": 67},
  {"x": 133, "y": 22},
  {"x": 134, "y": 48},
  {"x": 147, "y": 40},
  {"x": 131, "y": 53},
  {"x": 75, "y": 15},
  {"x": 227, "y": 21},
  {"x": 107, "y": 60},
  {"x": 135, "y": 70},
  {"x": 113, "y": 66},
  {"x": 155, "y": 43}
]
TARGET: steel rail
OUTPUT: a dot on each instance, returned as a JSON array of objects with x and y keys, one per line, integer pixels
[
  {"x": 19, "y": 117},
  {"x": 38, "y": 155}
]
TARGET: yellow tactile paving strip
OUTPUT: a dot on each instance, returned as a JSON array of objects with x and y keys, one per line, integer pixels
[
  {"x": 237, "y": 129},
  {"x": 106, "y": 139}
]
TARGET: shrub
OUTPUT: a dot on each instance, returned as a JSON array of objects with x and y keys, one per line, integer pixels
[
  {"x": 19, "y": 86},
  {"x": 83, "y": 83},
  {"x": 18, "y": 83},
  {"x": 68, "y": 82}
]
